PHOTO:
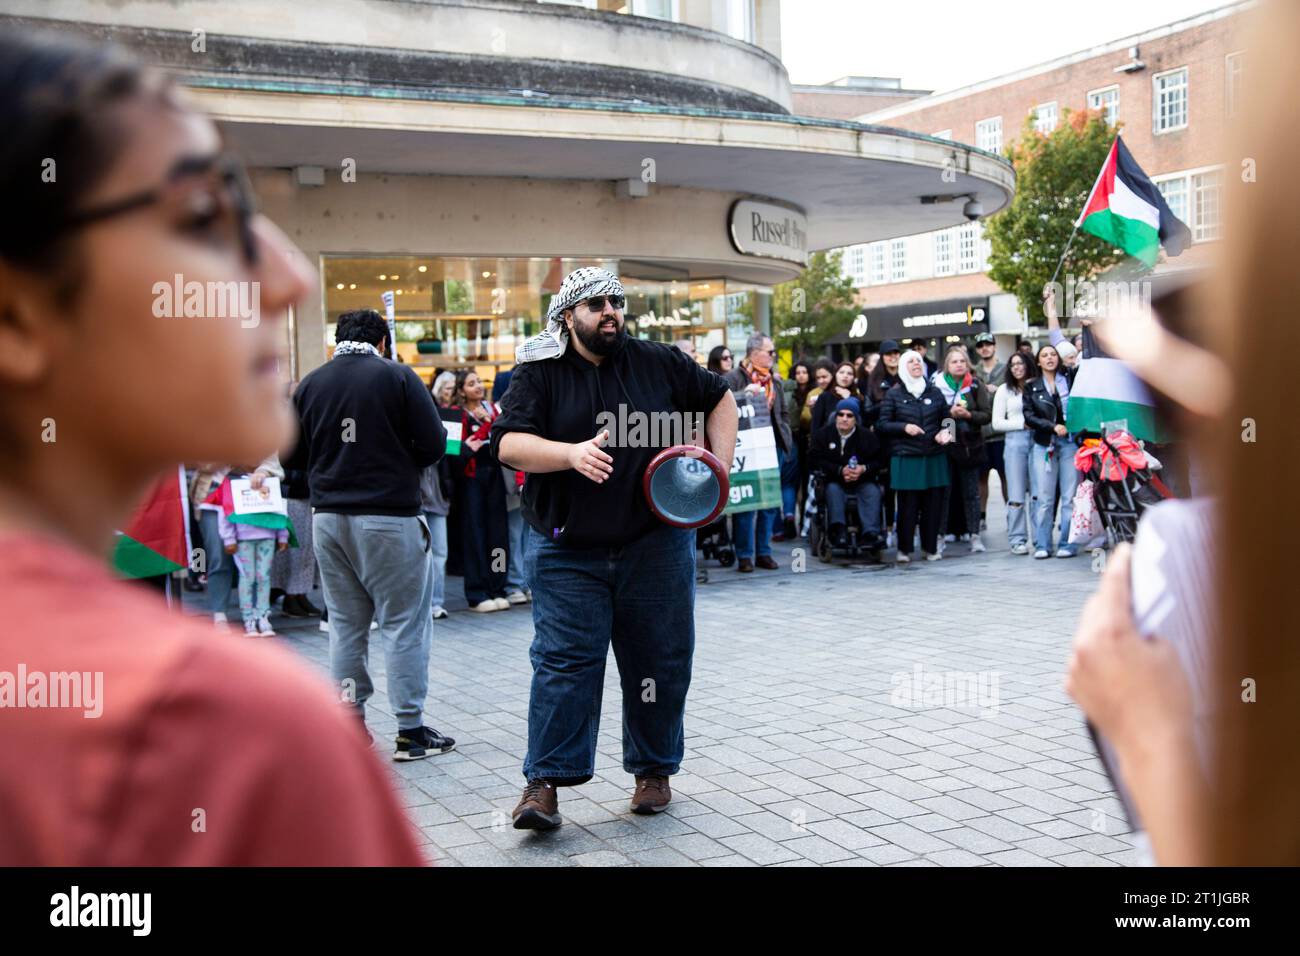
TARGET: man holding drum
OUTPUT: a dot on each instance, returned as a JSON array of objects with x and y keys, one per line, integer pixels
[{"x": 602, "y": 567}]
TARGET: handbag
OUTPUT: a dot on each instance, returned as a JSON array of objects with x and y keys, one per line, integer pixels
[{"x": 1085, "y": 522}]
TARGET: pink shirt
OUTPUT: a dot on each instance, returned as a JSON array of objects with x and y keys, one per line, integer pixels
[{"x": 209, "y": 749}]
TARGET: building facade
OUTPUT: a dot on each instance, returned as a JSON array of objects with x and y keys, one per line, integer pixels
[
  {"x": 464, "y": 155},
  {"x": 1170, "y": 90}
]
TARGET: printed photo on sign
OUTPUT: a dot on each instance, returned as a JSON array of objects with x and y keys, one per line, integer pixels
[{"x": 251, "y": 501}]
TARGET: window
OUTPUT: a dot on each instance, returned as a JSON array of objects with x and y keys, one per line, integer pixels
[
  {"x": 1234, "y": 74},
  {"x": 943, "y": 134},
  {"x": 968, "y": 258},
  {"x": 1194, "y": 197},
  {"x": 1045, "y": 117},
  {"x": 877, "y": 255},
  {"x": 740, "y": 19},
  {"x": 1205, "y": 189},
  {"x": 1170, "y": 100},
  {"x": 898, "y": 261},
  {"x": 855, "y": 264},
  {"x": 1175, "y": 193},
  {"x": 943, "y": 253},
  {"x": 988, "y": 134},
  {"x": 1107, "y": 101}
]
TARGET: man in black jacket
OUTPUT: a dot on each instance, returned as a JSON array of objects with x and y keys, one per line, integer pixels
[
  {"x": 851, "y": 460},
  {"x": 367, "y": 428},
  {"x": 601, "y": 566}
]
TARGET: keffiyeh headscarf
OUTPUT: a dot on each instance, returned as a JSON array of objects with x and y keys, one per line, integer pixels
[
  {"x": 915, "y": 384},
  {"x": 348, "y": 347},
  {"x": 577, "y": 285}
]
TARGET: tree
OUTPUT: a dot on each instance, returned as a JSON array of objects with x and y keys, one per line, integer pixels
[
  {"x": 1054, "y": 174},
  {"x": 810, "y": 309}
]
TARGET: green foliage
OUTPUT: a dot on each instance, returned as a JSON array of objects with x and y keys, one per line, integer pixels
[
  {"x": 1054, "y": 174},
  {"x": 810, "y": 309}
]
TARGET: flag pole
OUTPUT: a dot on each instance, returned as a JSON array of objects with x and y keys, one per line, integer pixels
[{"x": 1068, "y": 243}]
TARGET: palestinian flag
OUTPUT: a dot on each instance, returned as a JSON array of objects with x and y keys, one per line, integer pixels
[
  {"x": 262, "y": 519},
  {"x": 157, "y": 538},
  {"x": 755, "y": 468},
  {"x": 453, "y": 419},
  {"x": 1106, "y": 392},
  {"x": 1126, "y": 209}
]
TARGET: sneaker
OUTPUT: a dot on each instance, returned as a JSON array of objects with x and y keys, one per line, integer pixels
[
  {"x": 539, "y": 807},
  {"x": 949, "y": 538},
  {"x": 890, "y": 539},
  {"x": 502, "y": 604},
  {"x": 439, "y": 612},
  {"x": 264, "y": 626},
  {"x": 483, "y": 607},
  {"x": 374, "y": 625},
  {"x": 1041, "y": 553},
  {"x": 1020, "y": 548},
  {"x": 937, "y": 556},
  {"x": 976, "y": 545},
  {"x": 250, "y": 629},
  {"x": 219, "y": 619},
  {"x": 652, "y": 795},
  {"x": 1066, "y": 552},
  {"x": 516, "y": 597},
  {"x": 325, "y": 626},
  {"x": 903, "y": 558},
  {"x": 421, "y": 742}
]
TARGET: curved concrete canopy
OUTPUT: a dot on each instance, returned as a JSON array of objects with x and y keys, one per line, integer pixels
[{"x": 857, "y": 183}]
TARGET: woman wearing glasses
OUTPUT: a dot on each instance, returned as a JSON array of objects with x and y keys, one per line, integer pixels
[
  {"x": 121, "y": 187},
  {"x": 720, "y": 360}
]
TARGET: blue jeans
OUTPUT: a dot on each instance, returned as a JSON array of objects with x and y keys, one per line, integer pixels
[
  {"x": 868, "y": 495},
  {"x": 221, "y": 567},
  {"x": 377, "y": 567},
  {"x": 1050, "y": 473},
  {"x": 515, "y": 569},
  {"x": 1019, "y": 446},
  {"x": 438, "y": 557},
  {"x": 789, "y": 464},
  {"x": 751, "y": 528},
  {"x": 640, "y": 598}
]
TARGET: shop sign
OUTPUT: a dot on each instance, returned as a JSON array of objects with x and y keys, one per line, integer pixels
[{"x": 769, "y": 231}]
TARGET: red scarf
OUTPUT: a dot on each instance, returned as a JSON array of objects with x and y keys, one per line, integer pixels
[{"x": 480, "y": 434}]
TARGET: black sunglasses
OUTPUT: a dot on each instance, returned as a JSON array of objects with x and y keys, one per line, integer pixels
[
  {"x": 597, "y": 302},
  {"x": 230, "y": 188}
]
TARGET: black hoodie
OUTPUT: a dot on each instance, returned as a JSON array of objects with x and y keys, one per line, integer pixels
[{"x": 560, "y": 399}]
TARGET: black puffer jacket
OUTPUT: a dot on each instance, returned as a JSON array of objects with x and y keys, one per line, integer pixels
[{"x": 900, "y": 409}]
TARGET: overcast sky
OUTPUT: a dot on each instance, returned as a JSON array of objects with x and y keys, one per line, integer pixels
[{"x": 943, "y": 44}]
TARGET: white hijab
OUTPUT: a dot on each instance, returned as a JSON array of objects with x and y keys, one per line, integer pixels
[{"x": 913, "y": 383}]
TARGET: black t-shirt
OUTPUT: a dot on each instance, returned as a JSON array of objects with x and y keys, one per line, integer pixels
[{"x": 561, "y": 399}]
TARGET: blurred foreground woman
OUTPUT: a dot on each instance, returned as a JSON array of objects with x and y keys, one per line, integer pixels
[
  {"x": 1240, "y": 805},
  {"x": 129, "y": 735}
]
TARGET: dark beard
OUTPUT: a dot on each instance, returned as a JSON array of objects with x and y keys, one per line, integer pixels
[{"x": 597, "y": 342}]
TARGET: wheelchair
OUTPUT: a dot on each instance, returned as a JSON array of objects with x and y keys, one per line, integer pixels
[{"x": 858, "y": 545}]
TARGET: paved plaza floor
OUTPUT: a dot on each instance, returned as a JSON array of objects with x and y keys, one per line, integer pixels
[{"x": 842, "y": 716}]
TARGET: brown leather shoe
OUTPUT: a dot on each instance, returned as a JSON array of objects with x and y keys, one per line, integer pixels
[
  {"x": 652, "y": 795},
  {"x": 767, "y": 563},
  {"x": 539, "y": 807},
  {"x": 744, "y": 565}
]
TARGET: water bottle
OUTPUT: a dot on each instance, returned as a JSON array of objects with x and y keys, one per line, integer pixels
[{"x": 853, "y": 461}]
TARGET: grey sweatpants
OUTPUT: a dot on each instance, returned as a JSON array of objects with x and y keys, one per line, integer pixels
[{"x": 377, "y": 567}]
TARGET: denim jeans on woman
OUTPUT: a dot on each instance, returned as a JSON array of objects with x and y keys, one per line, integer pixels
[
  {"x": 1051, "y": 469},
  {"x": 437, "y": 557},
  {"x": 640, "y": 598},
  {"x": 1019, "y": 446}
]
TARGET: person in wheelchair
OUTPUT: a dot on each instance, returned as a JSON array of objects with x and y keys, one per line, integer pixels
[{"x": 851, "y": 461}]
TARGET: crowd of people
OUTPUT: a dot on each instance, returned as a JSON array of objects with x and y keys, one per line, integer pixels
[{"x": 145, "y": 189}]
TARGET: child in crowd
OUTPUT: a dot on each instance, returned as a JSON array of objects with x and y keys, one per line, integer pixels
[{"x": 253, "y": 549}]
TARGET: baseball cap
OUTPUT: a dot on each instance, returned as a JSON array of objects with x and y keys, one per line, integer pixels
[
  {"x": 889, "y": 345},
  {"x": 984, "y": 338}
]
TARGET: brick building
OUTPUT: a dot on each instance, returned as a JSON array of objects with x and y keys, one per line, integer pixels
[{"x": 1171, "y": 89}]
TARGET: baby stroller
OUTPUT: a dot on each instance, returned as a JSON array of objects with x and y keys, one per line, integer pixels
[
  {"x": 1124, "y": 482},
  {"x": 713, "y": 541}
]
